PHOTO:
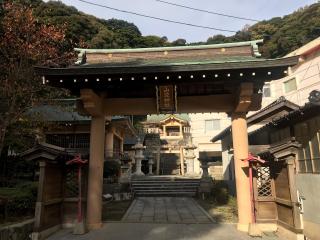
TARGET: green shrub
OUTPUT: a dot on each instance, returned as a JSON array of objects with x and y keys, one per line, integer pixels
[
  {"x": 223, "y": 196},
  {"x": 111, "y": 169},
  {"x": 31, "y": 187},
  {"x": 21, "y": 199},
  {"x": 220, "y": 192}
]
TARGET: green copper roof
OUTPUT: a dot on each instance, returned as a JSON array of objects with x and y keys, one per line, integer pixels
[
  {"x": 175, "y": 62},
  {"x": 160, "y": 117},
  {"x": 155, "y": 49},
  {"x": 142, "y": 66}
]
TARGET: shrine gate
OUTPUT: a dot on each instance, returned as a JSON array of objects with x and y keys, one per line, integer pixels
[{"x": 189, "y": 79}]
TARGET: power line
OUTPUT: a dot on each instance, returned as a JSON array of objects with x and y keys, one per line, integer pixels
[
  {"x": 157, "y": 18},
  {"x": 206, "y": 11}
]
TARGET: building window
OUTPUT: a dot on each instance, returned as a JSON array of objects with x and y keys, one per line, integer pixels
[
  {"x": 290, "y": 85},
  {"x": 212, "y": 125},
  {"x": 266, "y": 90},
  {"x": 173, "y": 131}
]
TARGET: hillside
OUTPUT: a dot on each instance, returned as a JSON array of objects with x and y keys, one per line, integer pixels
[
  {"x": 92, "y": 31},
  {"x": 288, "y": 33},
  {"x": 282, "y": 34}
]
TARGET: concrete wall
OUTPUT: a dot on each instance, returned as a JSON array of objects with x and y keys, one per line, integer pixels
[{"x": 309, "y": 187}]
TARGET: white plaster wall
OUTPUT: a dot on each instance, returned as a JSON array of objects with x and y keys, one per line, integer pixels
[
  {"x": 309, "y": 187},
  {"x": 201, "y": 138},
  {"x": 307, "y": 74}
]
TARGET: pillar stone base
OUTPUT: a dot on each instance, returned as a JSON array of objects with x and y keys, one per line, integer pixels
[
  {"x": 79, "y": 228},
  {"x": 94, "y": 226},
  {"x": 242, "y": 227}
]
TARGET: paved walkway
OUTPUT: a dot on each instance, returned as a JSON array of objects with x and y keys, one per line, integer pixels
[
  {"x": 168, "y": 219},
  {"x": 158, "y": 231},
  {"x": 166, "y": 210}
]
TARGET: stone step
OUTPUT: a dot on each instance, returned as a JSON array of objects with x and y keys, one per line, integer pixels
[
  {"x": 162, "y": 194},
  {"x": 151, "y": 179},
  {"x": 165, "y": 186},
  {"x": 165, "y": 190},
  {"x": 165, "y": 182}
]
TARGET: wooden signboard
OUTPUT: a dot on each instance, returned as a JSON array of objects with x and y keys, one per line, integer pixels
[{"x": 166, "y": 99}]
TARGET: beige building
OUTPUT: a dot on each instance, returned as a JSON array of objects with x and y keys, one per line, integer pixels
[
  {"x": 202, "y": 127},
  {"x": 301, "y": 79}
]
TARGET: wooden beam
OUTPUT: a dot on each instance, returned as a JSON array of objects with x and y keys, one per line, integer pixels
[
  {"x": 130, "y": 106},
  {"x": 190, "y": 104},
  {"x": 92, "y": 103},
  {"x": 244, "y": 98}
]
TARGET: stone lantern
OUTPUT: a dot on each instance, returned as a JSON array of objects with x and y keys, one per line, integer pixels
[
  {"x": 150, "y": 163},
  {"x": 204, "y": 166},
  {"x": 125, "y": 168},
  {"x": 189, "y": 158},
  {"x": 138, "y": 157},
  {"x": 206, "y": 180}
]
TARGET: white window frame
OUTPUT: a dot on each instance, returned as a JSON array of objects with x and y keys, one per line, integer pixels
[
  {"x": 289, "y": 79},
  {"x": 265, "y": 86},
  {"x": 212, "y": 120}
]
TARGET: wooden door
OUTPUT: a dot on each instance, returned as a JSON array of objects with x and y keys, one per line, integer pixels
[
  {"x": 264, "y": 193},
  {"x": 286, "y": 197}
]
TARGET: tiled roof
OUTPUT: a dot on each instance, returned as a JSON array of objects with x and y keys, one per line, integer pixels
[
  {"x": 307, "y": 111},
  {"x": 65, "y": 111}
]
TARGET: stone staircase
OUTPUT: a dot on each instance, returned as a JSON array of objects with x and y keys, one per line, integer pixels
[{"x": 164, "y": 186}]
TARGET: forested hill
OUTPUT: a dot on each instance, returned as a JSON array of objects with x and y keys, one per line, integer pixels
[
  {"x": 282, "y": 34},
  {"x": 95, "y": 32}
]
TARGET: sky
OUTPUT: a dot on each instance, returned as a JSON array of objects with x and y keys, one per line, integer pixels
[{"x": 254, "y": 9}]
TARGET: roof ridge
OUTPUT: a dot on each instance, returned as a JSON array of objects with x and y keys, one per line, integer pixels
[
  {"x": 277, "y": 101},
  {"x": 252, "y": 43}
]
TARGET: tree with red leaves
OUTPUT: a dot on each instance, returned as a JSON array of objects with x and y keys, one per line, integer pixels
[{"x": 24, "y": 43}]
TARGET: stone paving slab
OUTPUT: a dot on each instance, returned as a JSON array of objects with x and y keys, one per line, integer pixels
[
  {"x": 166, "y": 210},
  {"x": 151, "y": 231}
]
